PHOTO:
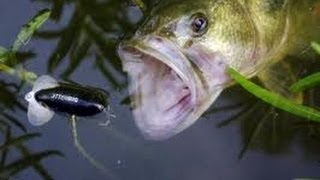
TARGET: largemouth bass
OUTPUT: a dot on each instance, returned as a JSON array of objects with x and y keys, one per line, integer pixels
[{"x": 177, "y": 59}]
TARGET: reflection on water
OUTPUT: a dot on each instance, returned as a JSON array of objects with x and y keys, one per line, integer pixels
[{"x": 79, "y": 45}]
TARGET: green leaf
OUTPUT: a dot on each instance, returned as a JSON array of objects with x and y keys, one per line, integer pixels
[
  {"x": 37, "y": 166},
  {"x": 7, "y": 69},
  {"x": 105, "y": 46},
  {"x": 307, "y": 82},
  {"x": 316, "y": 46},
  {"x": 28, "y": 30},
  {"x": 57, "y": 9},
  {"x": 25, "y": 162},
  {"x": 77, "y": 54},
  {"x": 106, "y": 72},
  {"x": 14, "y": 121},
  {"x": 18, "y": 140},
  {"x": 3, "y": 55},
  {"x": 67, "y": 40},
  {"x": 50, "y": 34},
  {"x": 275, "y": 99},
  {"x": 126, "y": 101},
  {"x": 3, "y": 50},
  {"x": 5, "y": 151}
]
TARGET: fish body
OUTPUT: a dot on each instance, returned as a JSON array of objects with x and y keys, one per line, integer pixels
[
  {"x": 177, "y": 59},
  {"x": 49, "y": 96}
]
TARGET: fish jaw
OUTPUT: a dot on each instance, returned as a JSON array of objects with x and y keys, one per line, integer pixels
[{"x": 167, "y": 92}]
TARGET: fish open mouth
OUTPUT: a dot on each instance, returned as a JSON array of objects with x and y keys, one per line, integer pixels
[
  {"x": 162, "y": 87},
  {"x": 161, "y": 78}
]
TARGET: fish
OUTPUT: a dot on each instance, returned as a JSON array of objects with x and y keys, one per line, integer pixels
[
  {"x": 178, "y": 57},
  {"x": 49, "y": 96}
]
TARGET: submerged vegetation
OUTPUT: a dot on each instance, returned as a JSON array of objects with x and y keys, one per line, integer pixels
[
  {"x": 9, "y": 61},
  {"x": 276, "y": 129},
  {"x": 274, "y": 99},
  {"x": 92, "y": 31},
  {"x": 277, "y": 100},
  {"x": 9, "y": 124},
  {"x": 311, "y": 80}
]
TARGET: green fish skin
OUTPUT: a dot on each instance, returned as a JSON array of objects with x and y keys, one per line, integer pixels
[{"x": 177, "y": 59}]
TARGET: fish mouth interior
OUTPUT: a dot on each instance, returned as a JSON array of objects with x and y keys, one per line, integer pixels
[{"x": 162, "y": 97}]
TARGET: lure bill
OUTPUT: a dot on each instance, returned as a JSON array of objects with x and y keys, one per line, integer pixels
[{"x": 48, "y": 96}]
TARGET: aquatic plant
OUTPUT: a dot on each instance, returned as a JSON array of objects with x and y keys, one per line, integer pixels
[
  {"x": 8, "y": 57},
  {"x": 93, "y": 31},
  {"x": 86, "y": 34},
  {"x": 311, "y": 80},
  {"x": 275, "y": 129},
  {"x": 10, "y": 64},
  {"x": 9, "y": 126},
  {"x": 275, "y": 99}
]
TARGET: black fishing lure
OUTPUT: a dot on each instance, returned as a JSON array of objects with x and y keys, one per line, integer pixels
[{"x": 49, "y": 96}]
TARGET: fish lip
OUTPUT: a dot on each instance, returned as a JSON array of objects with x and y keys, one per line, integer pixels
[
  {"x": 180, "y": 64},
  {"x": 149, "y": 48}
]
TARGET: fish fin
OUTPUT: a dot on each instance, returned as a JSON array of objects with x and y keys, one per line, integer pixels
[
  {"x": 37, "y": 114},
  {"x": 278, "y": 78},
  {"x": 44, "y": 82}
]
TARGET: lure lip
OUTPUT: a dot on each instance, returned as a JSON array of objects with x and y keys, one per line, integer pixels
[{"x": 38, "y": 114}]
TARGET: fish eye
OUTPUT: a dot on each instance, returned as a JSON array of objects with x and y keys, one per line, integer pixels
[{"x": 199, "y": 24}]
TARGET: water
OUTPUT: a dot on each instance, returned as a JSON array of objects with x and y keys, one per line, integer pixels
[{"x": 281, "y": 148}]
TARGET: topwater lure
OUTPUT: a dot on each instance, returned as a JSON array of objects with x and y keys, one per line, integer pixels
[{"x": 48, "y": 96}]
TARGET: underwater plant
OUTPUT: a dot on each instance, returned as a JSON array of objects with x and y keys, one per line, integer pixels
[
  {"x": 276, "y": 129},
  {"x": 311, "y": 80},
  {"x": 10, "y": 63},
  {"x": 275, "y": 99},
  {"x": 88, "y": 35},
  {"x": 15, "y": 137},
  {"x": 90, "y": 101}
]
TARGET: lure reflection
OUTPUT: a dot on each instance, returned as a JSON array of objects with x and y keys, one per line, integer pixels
[{"x": 48, "y": 96}]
